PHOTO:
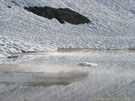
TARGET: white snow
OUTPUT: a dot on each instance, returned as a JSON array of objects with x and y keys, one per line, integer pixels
[
  {"x": 112, "y": 24},
  {"x": 112, "y": 27},
  {"x": 8, "y": 46}
]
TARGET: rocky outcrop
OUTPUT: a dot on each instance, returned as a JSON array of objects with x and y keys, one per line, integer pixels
[{"x": 61, "y": 14}]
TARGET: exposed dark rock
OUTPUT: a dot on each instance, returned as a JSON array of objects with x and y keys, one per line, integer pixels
[
  {"x": 9, "y": 6},
  {"x": 61, "y": 14},
  {"x": 9, "y": 57}
]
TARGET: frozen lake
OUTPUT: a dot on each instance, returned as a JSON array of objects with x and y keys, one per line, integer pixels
[{"x": 69, "y": 75}]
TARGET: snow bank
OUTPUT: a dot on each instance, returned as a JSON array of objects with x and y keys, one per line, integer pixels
[{"x": 9, "y": 46}]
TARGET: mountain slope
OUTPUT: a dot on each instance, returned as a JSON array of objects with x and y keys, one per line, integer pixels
[{"x": 113, "y": 24}]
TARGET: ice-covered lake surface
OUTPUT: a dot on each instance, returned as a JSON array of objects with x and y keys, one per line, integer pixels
[
  {"x": 69, "y": 76},
  {"x": 43, "y": 60}
]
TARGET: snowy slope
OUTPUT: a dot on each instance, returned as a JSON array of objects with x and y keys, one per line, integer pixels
[
  {"x": 113, "y": 24},
  {"x": 111, "y": 75}
]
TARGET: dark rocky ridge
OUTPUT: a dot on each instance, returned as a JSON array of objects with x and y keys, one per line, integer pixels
[{"x": 61, "y": 14}]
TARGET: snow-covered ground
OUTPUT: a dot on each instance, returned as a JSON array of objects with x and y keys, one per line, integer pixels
[
  {"x": 45, "y": 74},
  {"x": 113, "y": 24}
]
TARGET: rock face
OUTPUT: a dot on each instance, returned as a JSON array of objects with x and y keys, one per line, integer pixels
[{"x": 61, "y": 14}]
